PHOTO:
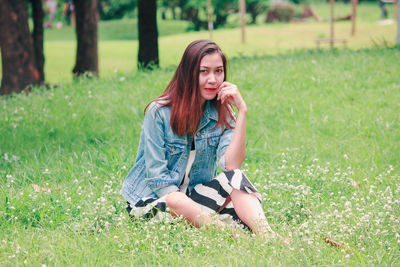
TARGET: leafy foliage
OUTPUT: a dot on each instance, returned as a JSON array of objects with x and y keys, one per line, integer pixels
[
  {"x": 256, "y": 7},
  {"x": 280, "y": 13},
  {"x": 195, "y": 11},
  {"x": 115, "y": 9}
]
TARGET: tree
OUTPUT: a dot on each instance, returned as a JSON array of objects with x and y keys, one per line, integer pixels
[
  {"x": 255, "y": 8},
  {"x": 169, "y": 4},
  {"x": 148, "y": 35},
  {"x": 20, "y": 69},
  {"x": 222, "y": 9},
  {"x": 115, "y": 9},
  {"x": 37, "y": 35},
  {"x": 398, "y": 23},
  {"x": 190, "y": 11},
  {"x": 195, "y": 11},
  {"x": 87, "y": 17}
]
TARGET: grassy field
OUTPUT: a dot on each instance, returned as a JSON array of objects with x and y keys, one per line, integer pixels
[
  {"x": 118, "y": 46},
  {"x": 124, "y": 29},
  {"x": 261, "y": 40},
  {"x": 322, "y": 147}
]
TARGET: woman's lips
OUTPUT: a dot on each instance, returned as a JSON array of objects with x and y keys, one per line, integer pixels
[{"x": 210, "y": 89}]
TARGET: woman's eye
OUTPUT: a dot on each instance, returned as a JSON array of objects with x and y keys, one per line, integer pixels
[
  {"x": 203, "y": 70},
  {"x": 219, "y": 70}
]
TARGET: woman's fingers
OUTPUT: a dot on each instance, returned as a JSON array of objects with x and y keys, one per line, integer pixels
[
  {"x": 227, "y": 89},
  {"x": 229, "y": 92},
  {"x": 225, "y": 95}
]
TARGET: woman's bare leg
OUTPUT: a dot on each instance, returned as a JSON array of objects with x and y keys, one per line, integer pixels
[
  {"x": 249, "y": 210},
  {"x": 181, "y": 205}
]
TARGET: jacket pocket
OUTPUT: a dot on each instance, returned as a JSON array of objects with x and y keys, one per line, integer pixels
[
  {"x": 212, "y": 144},
  {"x": 213, "y": 141},
  {"x": 174, "y": 152}
]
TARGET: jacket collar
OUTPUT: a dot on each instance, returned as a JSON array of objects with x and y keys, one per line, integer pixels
[{"x": 210, "y": 113}]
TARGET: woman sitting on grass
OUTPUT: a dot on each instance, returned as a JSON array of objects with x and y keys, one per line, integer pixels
[{"x": 185, "y": 132}]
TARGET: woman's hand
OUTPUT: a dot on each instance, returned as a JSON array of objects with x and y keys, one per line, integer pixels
[
  {"x": 236, "y": 151},
  {"x": 229, "y": 93}
]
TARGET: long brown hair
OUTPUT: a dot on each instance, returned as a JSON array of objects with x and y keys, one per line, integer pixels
[{"x": 183, "y": 95}]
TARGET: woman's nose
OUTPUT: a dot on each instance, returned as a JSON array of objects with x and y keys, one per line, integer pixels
[{"x": 211, "y": 78}]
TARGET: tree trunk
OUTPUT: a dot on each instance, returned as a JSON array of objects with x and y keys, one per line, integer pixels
[
  {"x": 192, "y": 15},
  {"x": 148, "y": 35},
  {"x": 87, "y": 16},
  {"x": 181, "y": 4},
  {"x": 254, "y": 9},
  {"x": 37, "y": 36},
  {"x": 398, "y": 23},
  {"x": 253, "y": 17},
  {"x": 220, "y": 19},
  {"x": 173, "y": 13},
  {"x": 19, "y": 69}
]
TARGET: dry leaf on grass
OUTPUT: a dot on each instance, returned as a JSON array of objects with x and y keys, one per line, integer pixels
[
  {"x": 38, "y": 188},
  {"x": 332, "y": 243}
]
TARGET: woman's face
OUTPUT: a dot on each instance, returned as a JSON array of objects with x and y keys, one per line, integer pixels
[{"x": 211, "y": 76}]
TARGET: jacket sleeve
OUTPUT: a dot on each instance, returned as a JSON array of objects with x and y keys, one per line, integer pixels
[
  {"x": 158, "y": 177},
  {"x": 224, "y": 142}
]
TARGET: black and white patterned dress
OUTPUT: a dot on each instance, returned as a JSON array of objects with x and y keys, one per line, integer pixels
[{"x": 210, "y": 196}]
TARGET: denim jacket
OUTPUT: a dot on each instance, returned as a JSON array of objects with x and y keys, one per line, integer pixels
[{"x": 162, "y": 155}]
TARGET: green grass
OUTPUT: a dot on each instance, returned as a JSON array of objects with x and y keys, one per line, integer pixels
[
  {"x": 124, "y": 29},
  {"x": 118, "y": 46},
  {"x": 261, "y": 40},
  {"x": 318, "y": 122}
]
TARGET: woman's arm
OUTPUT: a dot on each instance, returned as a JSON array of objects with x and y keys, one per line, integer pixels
[
  {"x": 236, "y": 151},
  {"x": 158, "y": 177}
]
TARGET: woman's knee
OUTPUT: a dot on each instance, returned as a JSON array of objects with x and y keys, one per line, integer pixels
[
  {"x": 173, "y": 199},
  {"x": 236, "y": 193}
]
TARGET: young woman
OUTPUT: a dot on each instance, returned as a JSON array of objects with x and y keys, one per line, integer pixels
[{"x": 186, "y": 131}]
